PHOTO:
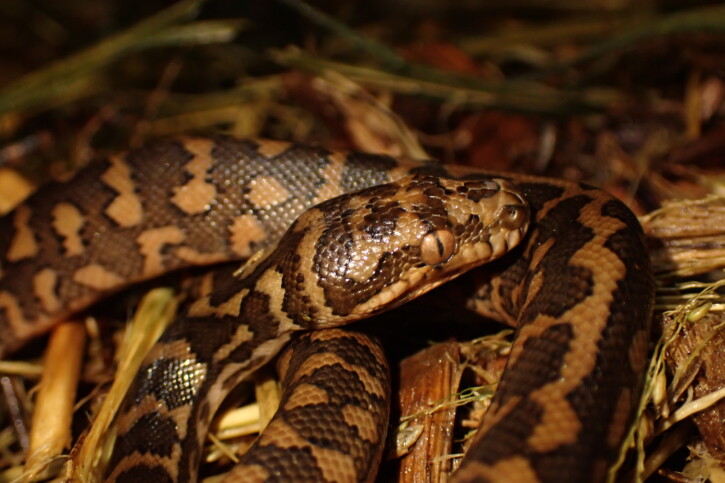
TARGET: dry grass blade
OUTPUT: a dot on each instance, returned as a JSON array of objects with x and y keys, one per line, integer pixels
[
  {"x": 698, "y": 351},
  {"x": 68, "y": 79},
  {"x": 155, "y": 313},
  {"x": 463, "y": 92},
  {"x": 690, "y": 343},
  {"x": 708, "y": 18},
  {"x": 24, "y": 369}
]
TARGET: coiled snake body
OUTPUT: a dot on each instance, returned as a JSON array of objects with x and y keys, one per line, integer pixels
[{"x": 579, "y": 290}]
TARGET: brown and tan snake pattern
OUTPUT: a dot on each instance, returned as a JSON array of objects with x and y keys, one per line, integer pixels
[
  {"x": 579, "y": 290},
  {"x": 335, "y": 408}
]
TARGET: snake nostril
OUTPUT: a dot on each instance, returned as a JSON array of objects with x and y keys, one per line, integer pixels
[{"x": 512, "y": 217}]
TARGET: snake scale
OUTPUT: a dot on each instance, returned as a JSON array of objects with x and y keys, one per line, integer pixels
[{"x": 578, "y": 288}]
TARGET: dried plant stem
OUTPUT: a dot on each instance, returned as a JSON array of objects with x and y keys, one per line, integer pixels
[{"x": 50, "y": 432}]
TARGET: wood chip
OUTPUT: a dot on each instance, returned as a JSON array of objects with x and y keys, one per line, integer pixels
[{"x": 427, "y": 380}]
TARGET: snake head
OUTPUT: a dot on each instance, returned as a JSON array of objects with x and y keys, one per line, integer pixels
[{"x": 366, "y": 252}]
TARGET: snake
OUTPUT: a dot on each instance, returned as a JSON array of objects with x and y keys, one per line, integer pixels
[{"x": 331, "y": 237}]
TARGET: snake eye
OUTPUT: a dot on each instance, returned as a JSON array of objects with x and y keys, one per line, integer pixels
[{"x": 437, "y": 247}]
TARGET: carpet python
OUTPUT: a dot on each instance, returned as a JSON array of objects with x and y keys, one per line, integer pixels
[{"x": 578, "y": 288}]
